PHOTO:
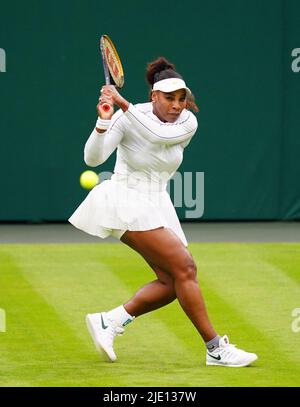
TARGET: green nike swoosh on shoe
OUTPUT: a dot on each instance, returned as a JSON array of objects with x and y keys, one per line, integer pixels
[
  {"x": 102, "y": 323},
  {"x": 103, "y": 333}
]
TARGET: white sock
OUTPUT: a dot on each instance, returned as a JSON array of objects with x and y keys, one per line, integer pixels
[{"x": 120, "y": 315}]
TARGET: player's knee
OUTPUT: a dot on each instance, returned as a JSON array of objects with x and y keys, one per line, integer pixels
[
  {"x": 166, "y": 280},
  {"x": 187, "y": 270}
]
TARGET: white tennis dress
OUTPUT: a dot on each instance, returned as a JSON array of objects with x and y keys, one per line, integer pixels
[{"x": 149, "y": 152}]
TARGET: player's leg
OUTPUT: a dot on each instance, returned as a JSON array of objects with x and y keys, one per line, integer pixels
[
  {"x": 164, "y": 249},
  {"x": 153, "y": 295},
  {"x": 105, "y": 326}
]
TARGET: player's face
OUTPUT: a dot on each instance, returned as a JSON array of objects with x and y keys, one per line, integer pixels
[{"x": 168, "y": 106}]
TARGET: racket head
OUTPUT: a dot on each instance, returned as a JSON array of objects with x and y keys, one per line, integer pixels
[{"x": 112, "y": 60}]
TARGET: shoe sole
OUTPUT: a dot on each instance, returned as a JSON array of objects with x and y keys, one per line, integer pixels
[
  {"x": 223, "y": 365},
  {"x": 98, "y": 346}
]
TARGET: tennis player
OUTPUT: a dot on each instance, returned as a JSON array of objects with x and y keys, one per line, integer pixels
[{"x": 135, "y": 207}]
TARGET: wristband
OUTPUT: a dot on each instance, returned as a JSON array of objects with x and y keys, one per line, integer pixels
[{"x": 102, "y": 124}]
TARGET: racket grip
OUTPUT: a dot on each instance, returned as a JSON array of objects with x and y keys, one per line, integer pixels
[{"x": 106, "y": 107}]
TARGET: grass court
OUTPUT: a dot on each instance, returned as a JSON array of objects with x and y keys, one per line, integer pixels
[{"x": 250, "y": 289}]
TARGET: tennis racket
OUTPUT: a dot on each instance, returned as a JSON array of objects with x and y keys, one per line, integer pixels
[{"x": 113, "y": 70}]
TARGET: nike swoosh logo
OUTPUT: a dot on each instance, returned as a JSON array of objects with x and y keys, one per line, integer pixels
[
  {"x": 215, "y": 357},
  {"x": 102, "y": 323}
]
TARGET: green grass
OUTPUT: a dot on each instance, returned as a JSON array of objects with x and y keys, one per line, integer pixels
[{"x": 46, "y": 290}]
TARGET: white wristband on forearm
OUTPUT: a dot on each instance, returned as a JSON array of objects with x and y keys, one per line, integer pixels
[{"x": 102, "y": 124}]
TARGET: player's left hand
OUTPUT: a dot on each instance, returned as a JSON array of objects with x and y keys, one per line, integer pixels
[
  {"x": 110, "y": 93},
  {"x": 103, "y": 113}
]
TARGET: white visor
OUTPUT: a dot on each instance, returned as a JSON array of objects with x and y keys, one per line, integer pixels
[{"x": 170, "y": 85}]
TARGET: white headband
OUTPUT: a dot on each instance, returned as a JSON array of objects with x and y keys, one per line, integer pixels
[{"x": 170, "y": 85}]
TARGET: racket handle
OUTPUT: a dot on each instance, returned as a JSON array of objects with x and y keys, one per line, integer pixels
[{"x": 106, "y": 107}]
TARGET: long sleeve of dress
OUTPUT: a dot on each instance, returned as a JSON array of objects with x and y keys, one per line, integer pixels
[
  {"x": 162, "y": 133},
  {"x": 100, "y": 146}
]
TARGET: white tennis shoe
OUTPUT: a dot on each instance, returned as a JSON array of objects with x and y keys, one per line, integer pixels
[
  {"x": 103, "y": 332},
  {"x": 228, "y": 355}
]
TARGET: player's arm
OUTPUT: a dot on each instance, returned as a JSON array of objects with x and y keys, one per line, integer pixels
[{"x": 105, "y": 137}]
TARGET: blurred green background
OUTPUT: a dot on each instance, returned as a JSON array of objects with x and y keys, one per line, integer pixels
[{"x": 236, "y": 55}]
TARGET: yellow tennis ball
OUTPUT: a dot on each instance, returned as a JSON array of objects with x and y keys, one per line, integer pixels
[{"x": 88, "y": 179}]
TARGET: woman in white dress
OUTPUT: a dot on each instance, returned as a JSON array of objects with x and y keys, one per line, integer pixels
[{"x": 135, "y": 207}]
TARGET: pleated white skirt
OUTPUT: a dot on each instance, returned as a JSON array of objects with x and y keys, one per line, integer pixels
[{"x": 118, "y": 205}]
